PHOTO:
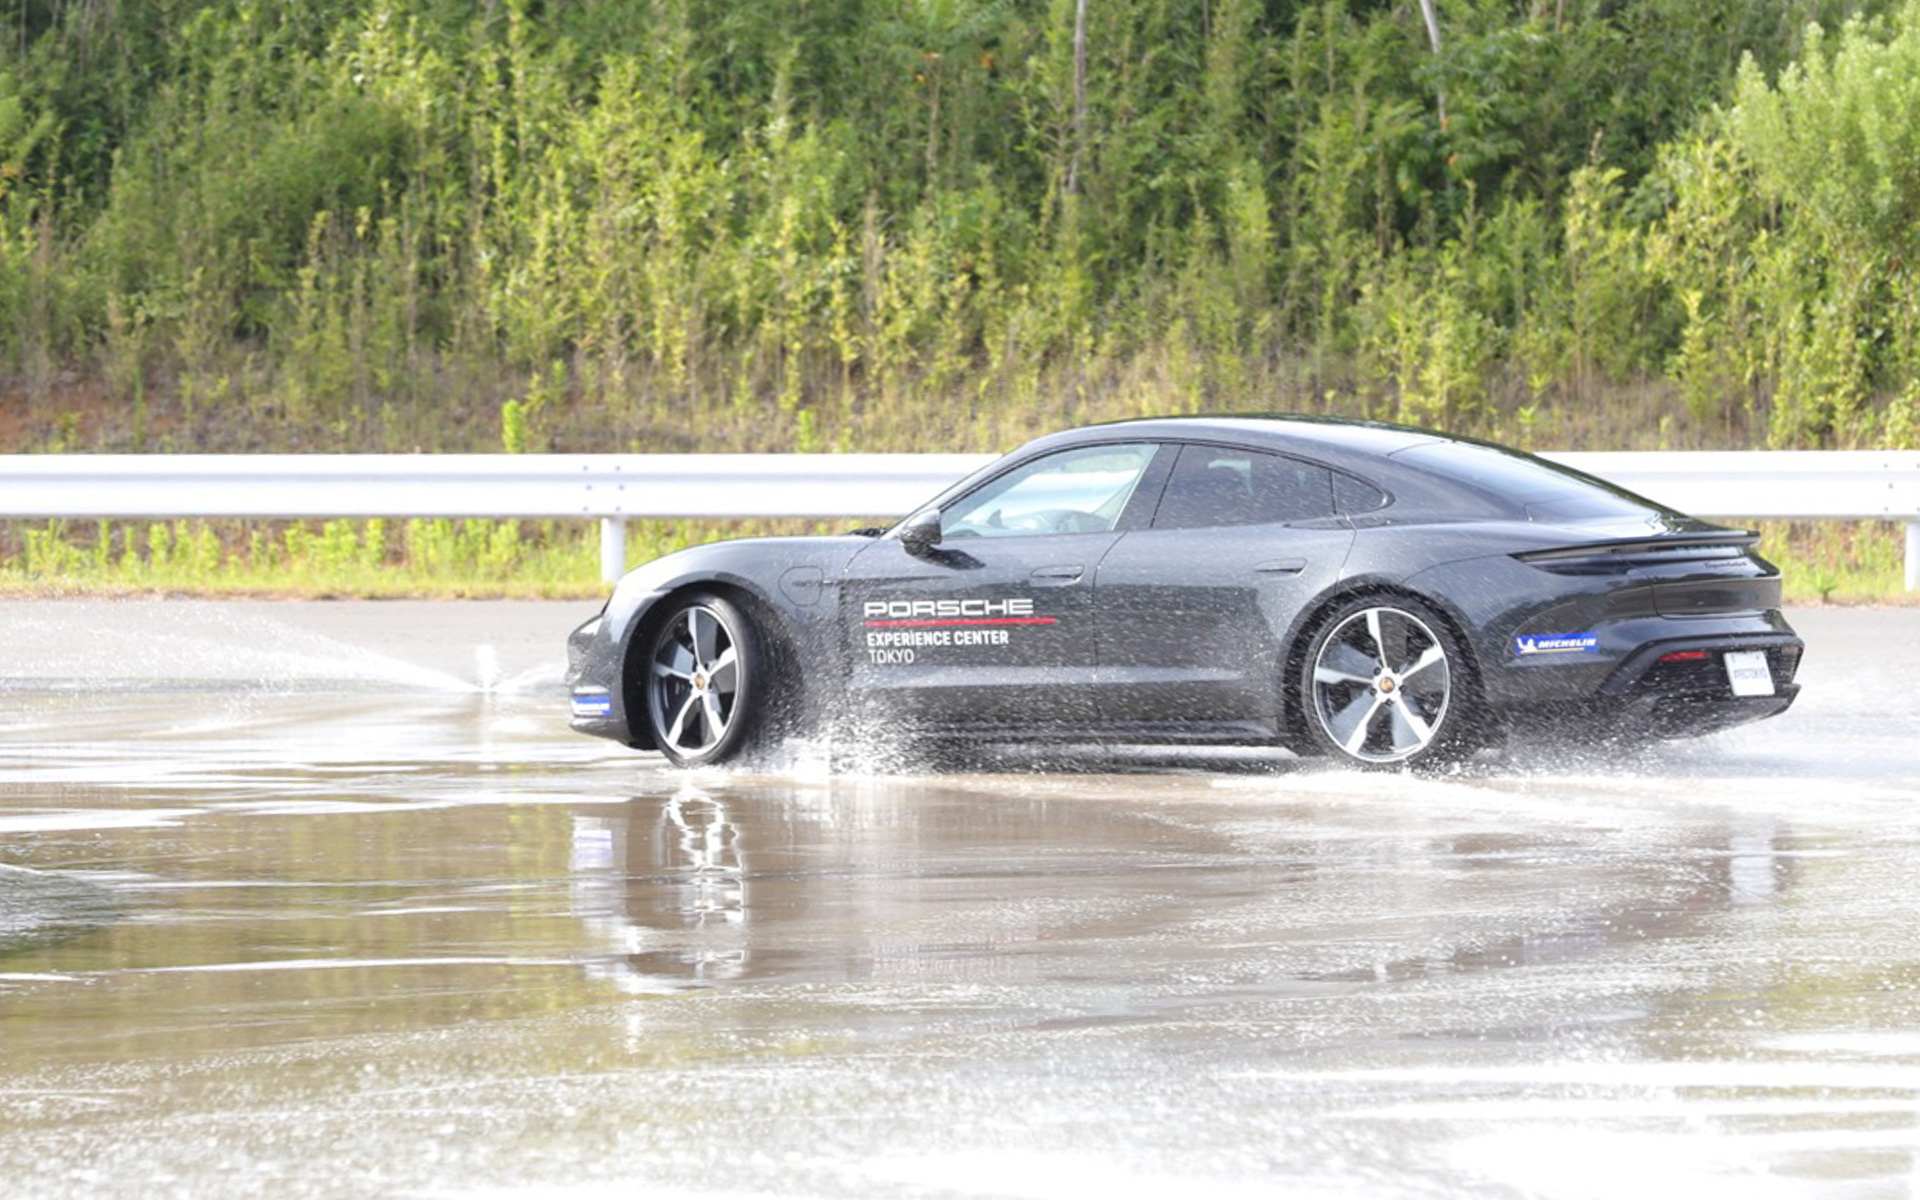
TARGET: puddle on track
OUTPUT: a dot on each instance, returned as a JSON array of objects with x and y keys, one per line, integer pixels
[{"x": 379, "y": 925}]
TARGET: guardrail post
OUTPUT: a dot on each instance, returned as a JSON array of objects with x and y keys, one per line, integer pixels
[
  {"x": 1913, "y": 556},
  {"x": 613, "y": 548}
]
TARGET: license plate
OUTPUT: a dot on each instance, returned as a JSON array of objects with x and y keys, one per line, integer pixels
[{"x": 1747, "y": 672}]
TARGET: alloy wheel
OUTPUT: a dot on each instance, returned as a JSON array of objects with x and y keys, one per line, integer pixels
[
  {"x": 695, "y": 682},
  {"x": 1381, "y": 685}
]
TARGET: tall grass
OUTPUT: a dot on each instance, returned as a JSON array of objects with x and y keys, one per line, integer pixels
[
  {"x": 437, "y": 558},
  {"x": 1829, "y": 562},
  {"x": 893, "y": 224},
  {"x": 371, "y": 558}
]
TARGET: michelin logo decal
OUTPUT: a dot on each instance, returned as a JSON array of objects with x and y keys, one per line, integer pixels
[{"x": 1556, "y": 643}]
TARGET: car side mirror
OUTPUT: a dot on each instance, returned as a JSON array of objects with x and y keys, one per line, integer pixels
[{"x": 921, "y": 532}]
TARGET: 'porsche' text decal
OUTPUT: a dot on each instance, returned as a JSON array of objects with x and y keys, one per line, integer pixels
[{"x": 1016, "y": 610}]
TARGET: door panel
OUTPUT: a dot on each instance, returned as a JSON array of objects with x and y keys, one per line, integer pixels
[
  {"x": 1190, "y": 620},
  {"x": 1191, "y": 610},
  {"x": 997, "y": 633},
  {"x": 992, "y": 626}
]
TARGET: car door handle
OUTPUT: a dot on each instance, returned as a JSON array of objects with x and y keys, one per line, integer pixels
[
  {"x": 1281, "y": 566},
  {"x": 1058, "y": 575}
]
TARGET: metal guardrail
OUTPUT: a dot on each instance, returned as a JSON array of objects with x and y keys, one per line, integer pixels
[
  {"x": 613, "y": 488},
  {"x": 610, "y": 488},
  {"x": 1793, "y": 485}
]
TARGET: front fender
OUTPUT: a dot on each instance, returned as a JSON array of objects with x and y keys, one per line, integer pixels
[{"x": 787, "y": 584}]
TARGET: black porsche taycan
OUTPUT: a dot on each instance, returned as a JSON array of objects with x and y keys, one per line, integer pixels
[{"x": 1375, "y": 594}]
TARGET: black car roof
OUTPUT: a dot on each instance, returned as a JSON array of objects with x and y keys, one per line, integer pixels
[
  {"x": 1327, "y": 436},
  {"x": 1444, "y": 474}
]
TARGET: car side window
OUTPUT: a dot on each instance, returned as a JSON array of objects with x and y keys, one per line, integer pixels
[
  {"x": 1356, "y": 495},
  {"x": 1214, "y": 486},
  {"x": 1074, "y": 491}
]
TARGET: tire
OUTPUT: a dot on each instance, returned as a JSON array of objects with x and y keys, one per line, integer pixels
[
  {"x": 706, "y": 682},
  {"x": 1384, "y": 683}
]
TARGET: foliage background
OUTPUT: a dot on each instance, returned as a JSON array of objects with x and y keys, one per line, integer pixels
[
  {"x": 903, "y": 224},
  {"x": 803, "y": 224}
]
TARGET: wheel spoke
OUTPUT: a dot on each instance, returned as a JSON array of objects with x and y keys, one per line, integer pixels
[
  {"x": 1351, "y": 724},
  {"x": 716, "y": 724},
  {"x": 723, "y": 674},
  {"x": 1410, "y": 730},
  {"x": 705, "y": 630},
  {"x": 1429, "y": 696},
  {"x": 679, "y": 668},
  {"x": 1433, "y": 654},
  {"x": 1342, "y": 663},
  {"x": 1379, "y": 640},
  {"x": 677, "y": 732}
]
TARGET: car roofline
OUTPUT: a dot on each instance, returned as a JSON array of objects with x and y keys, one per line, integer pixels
[{"x": 1333, "y": 439}]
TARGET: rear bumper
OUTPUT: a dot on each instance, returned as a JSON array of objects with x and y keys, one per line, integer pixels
[
  {"x": 1677, "y": 687},
  {"x": 1681, "y": 698},
  {"x": 1648, "y": 671}
]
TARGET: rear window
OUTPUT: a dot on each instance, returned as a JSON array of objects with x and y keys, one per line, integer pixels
[
  {"x": 1356, "y": 495},
  {"x": 1517, "y": 477}
]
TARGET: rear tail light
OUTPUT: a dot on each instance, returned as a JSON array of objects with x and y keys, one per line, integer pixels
[
  {"x": 1620, "y": 558},
  {"x": 1683, "y": 656}
]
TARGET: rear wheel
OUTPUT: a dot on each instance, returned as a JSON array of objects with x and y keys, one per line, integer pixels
[
  {"x": 1384, "y": 684},
  {"x": 705, "y": 683}
]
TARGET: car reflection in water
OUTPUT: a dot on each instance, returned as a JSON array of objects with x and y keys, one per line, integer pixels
[
  {"x": 977, "y": 882},
  {"x": 665, "y": 883},
  {"x": 1018, "y": 883}
]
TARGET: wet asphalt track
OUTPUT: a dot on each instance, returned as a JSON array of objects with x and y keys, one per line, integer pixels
[{"x": 324, "y": 900}]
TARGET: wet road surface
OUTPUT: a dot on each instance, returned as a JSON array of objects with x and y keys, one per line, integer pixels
[{"x": 324, "y": 900}]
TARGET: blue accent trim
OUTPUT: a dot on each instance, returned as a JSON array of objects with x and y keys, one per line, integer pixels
[{"x": 591, "y": 705}]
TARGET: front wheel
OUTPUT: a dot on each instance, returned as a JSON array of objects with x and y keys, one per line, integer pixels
[
  {"x": 705, "y": 682},
  {"x": 1384, "y": 683}
]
